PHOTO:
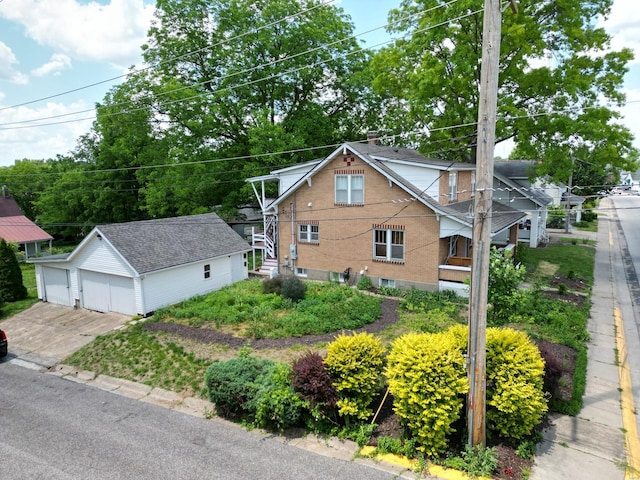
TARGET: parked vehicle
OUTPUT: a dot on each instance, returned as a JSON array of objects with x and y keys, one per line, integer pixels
[
  {"x": 620, "y": 189},
  {"x": 4, "y": 344}
]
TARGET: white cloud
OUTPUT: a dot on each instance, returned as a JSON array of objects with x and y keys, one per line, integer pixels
[
  {"x": 7, "y": 72},
  {"x": 623, "y": 24},
  {"x": 110, "y": 33},
  {"x": 59, "y": 136},
  {"x": 58, "y": 62}
]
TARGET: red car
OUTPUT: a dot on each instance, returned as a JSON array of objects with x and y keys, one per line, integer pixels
[{"x": 3, "y": 344}]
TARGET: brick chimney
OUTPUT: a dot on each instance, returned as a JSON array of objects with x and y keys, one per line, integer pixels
[
  {"x": 5, "y": 191},
  {"x": 372, "y": 137}
]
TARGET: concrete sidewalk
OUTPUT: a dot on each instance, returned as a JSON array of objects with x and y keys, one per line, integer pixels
[{"x": 591, "y": 446}]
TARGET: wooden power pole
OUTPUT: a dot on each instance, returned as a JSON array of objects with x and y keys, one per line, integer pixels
[{"x": 476, "y": 351}]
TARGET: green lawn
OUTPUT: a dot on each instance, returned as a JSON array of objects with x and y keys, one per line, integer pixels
[{"x": 566, "y": 259}]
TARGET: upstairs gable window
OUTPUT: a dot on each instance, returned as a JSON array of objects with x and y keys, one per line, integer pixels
[{"x": 349, "y": 189}]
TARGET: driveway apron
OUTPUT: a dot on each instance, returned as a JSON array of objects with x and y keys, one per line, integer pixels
[{"x": 46, "y": 333}]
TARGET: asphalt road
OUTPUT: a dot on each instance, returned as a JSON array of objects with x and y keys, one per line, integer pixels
[
  {"x": 625, "y": 239},
  {"x": 54, "y": 428}
]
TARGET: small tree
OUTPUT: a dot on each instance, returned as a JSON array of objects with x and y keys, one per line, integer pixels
[
  {"x": 11, "y": 286},
  {"x": 504, "y": 279}
]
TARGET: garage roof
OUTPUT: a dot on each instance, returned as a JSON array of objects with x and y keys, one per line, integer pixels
[{"x": 152, "y": 245}]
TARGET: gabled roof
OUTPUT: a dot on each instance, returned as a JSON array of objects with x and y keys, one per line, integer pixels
[
  {"x": 502, "y": 216},
  {"x": 513, "y": 172},
  {"x": 379, "y": 157},
  {"x": 19, "y": 229},
  {"x": 152, "y": 245},
  {"x": 8, "y": 205}
]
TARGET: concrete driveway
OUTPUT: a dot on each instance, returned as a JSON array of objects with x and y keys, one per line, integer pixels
[{"x": 46, "y": 333}]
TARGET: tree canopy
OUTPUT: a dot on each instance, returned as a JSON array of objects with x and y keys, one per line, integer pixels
[{"x": 559, "y": 84}]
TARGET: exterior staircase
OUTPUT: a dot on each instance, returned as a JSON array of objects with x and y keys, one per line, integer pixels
[{"x": 269, "y": 267}]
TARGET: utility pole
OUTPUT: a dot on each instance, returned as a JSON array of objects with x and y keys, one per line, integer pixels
[{"x": 476, "y": 351}]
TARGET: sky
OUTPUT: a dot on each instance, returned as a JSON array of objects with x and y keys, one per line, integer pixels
[{"x": 59, "y": 57}]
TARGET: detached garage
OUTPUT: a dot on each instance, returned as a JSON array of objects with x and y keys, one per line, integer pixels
[{"x": 138, "y": 267}]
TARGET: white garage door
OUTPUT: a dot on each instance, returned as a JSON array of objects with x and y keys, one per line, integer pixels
[
  {"x": 56, "y": 285},
  {"x": 107, "y": 293}
]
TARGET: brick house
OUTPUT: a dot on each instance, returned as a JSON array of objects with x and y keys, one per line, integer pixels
[{"x": 366, "y": 209}]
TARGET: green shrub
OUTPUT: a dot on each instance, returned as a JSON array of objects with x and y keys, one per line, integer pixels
[
  {"x": 477, "y": 461},
  {"x": 11, "y": 285},
  {"x": 293, "y": 288},
  {"x": 364, "y": 283},
  {"x": 390, "y": 291},
  {"x": 273, "y": 285},
  {"x": 426, "y": 375},
  {"x": 556, "y": 217},
  {"x": 278, "y": 407},
  {"x": 516, "y": 402},
  {"x": 504, "y": 279},
  {"x": 355, "y": 363},
  {"x": 234, "y": 385},
  {"x": 415, "y": 300}
]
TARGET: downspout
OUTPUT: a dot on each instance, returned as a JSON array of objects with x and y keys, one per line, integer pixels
[{"x": 293, "y": 238}]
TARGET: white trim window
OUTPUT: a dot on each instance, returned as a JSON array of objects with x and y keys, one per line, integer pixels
[
  {"x": 308, "y": 233},
  {"x": 388, "y": 245},
  {"x": 387, "y": 282},
  {"x": 453, "y": 186},
  {"x": 301, "y": 272},
  {"x": 349, "y": 189}
]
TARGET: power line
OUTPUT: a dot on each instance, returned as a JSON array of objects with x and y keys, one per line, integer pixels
[
  {"x": 170, "y": 60},
  {"x": 4, "y": 126}
]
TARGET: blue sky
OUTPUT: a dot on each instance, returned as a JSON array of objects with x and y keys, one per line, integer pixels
[{"x": 48, "y": 47}]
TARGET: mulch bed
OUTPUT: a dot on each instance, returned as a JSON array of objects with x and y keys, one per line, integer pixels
[{"x": 388, "y": 317}]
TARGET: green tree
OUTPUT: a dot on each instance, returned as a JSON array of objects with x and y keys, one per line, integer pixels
[
  {"x": 236, "y": 80},
  {"x": 558, "y": 83},
  {"x": 26, "y": 180},
  {"x": 11, "y": 286}
]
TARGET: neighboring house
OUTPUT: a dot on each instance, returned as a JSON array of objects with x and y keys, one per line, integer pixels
[
  {"x": 512, "y": 186},
  {"x": 16, "y": 228},
  {"x": 138, "y": 267},
  {"x": 389, "y": 213}
]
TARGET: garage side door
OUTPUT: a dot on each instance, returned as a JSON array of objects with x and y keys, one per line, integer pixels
[
  {"x": 56, "y": 286},
  {"x": 107, "y": 293}
]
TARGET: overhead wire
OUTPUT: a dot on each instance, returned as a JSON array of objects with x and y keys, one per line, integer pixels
[{"x": 18, "y": 124}]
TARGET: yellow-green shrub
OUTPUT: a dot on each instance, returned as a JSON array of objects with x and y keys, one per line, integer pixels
[
  {"x": 427, "y": 378},
  {"x": 355, "y": 363},
  {"x": 515, "y": 370}
]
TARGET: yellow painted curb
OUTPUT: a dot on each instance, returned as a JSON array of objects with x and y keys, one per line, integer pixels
[
  {"x": 626, "y": 402},
  {"x": 401, "y": 461}
]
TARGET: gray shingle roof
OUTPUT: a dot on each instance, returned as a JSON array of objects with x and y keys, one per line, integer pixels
[
  {"x": 152, "y": 245},
  {"x": 381, "y": 152},
  {"x": 502, "y": 216}
]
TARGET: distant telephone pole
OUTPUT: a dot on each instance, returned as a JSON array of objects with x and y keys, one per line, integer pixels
[{"x": 478, "y": 298}]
